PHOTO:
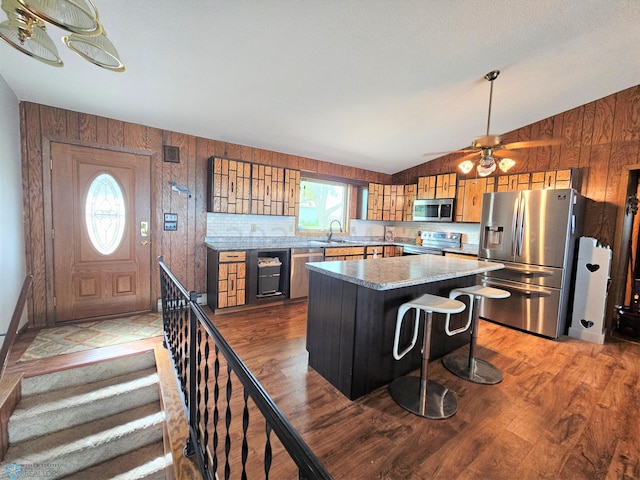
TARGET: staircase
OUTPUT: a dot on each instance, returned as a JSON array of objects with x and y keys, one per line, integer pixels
[{"x": 92, "y": 422}]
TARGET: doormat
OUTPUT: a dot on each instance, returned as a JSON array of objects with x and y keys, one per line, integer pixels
[{"x": 78, "y": 337}]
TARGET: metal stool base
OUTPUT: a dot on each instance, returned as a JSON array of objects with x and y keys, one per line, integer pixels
[
  {"x": 440, "y": 401},
  {"x": 484, "y": 372}
]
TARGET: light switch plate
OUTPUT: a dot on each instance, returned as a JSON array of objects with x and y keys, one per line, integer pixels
[{"x": 170, "y": 217}]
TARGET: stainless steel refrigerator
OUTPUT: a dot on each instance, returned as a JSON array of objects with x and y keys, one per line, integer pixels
[{"x": 534, "y": 234}]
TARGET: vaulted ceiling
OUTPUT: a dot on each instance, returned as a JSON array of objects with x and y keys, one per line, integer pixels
[{"x": 373, "y": 84}]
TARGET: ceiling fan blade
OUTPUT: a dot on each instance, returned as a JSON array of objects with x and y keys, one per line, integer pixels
[
  {"x": 507, "y": 154},
  {"x": 532, "y": 144},
  {"x": 450, "y": 152}
]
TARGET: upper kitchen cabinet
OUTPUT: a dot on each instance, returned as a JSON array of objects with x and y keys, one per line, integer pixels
[
  {"x": 393, "y": 202},
  {"x": 469, "y": 198},
  {"x": 229, "y": 186},
  {"x": 267, "y": 190},
  {"x": 250, "y": 188},
  {"x": 437, "y": 186},
  {"x": 513, "y": 183},
  {"x": 427, "y": 187},
  {"x": 446, "y": 185},
  {"x": 410, "y": 194},
  {"x": 551, "y": 179},
  {"x": 291, "y": 192},
  {"x": 374, "y": 201}
]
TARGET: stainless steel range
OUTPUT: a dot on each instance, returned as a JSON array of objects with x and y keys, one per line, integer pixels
[{"x": 434, "y": 243}]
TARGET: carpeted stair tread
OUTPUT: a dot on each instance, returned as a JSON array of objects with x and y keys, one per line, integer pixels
[
  {"x": 146, "y": 463},
  {"x": 83, "y": 403},
  {"x": 89, "y": 444},
  {"x": 95, "y": 372}
]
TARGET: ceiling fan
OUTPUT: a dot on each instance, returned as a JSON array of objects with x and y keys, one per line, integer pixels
[{"x": 490, "y": 148}]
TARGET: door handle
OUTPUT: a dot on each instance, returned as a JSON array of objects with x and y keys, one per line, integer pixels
[{"x": 144, "y": 243}]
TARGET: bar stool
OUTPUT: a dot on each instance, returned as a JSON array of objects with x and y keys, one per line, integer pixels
[
  {"x": 472, "y": 368},
  {"x": 423, "y": 397}
]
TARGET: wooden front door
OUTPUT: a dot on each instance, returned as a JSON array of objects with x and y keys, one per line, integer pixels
[{"x": 101, "y": 232}]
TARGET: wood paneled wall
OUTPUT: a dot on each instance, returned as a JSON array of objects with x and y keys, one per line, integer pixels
[
  {"x": 183, "y": 250},
  {"x": 599, "y": 139},
  {"x": 602, "y": 141}
]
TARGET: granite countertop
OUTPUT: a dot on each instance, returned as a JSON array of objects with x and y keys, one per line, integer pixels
[
  {"x": 279, "y": 243},
  {"x": 250, "y": 244},
  {"x": 396, "y": 272}
]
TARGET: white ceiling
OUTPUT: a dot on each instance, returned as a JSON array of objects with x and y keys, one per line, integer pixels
[{"x": 368, "y": 83}]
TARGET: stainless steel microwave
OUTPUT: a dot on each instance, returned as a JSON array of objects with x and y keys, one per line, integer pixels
[{"x": 433, "y": 210}]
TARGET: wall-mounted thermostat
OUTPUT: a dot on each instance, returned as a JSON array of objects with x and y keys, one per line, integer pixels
[{"x": 171, "y": 221}]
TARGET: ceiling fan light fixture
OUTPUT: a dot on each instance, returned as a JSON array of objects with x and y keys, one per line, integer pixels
[
  {"x": 486, "y": 169},
  {"x": 72, "y": 15},
  {"x": 466, "y": 166},
  {"x": 505, "y": 164},
  {"x": 28, "y": 35},
  {"x": 96, "y": 49}
]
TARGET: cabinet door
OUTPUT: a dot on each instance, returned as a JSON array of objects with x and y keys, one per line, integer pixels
[
  {"x": 473, "y": 191},
  {"x": 232, "y": 273},
  {"x": 410, "y": 193},
  {"x": 427, "y": 187},
  {"x": 446, "y": 185},
  {"x": 392, "y": 251},
  {"x": 459, "y": 205},
  {"x": 374, "y": 201},
  {"x": 291, "y": 192},
  {"x": 563, "y": 179},
  {"x": 229, "y": 186},
  {"x": 267, "y": 191},
  {"x": 392, "y": 202}
]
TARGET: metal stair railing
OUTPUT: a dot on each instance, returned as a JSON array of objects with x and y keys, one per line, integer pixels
[{"x": 205, "y": 365}]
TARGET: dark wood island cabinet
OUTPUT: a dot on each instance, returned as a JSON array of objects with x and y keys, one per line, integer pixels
[{"x": 352, "y": 308}]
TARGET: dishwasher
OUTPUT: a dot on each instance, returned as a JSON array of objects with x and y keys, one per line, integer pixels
[{"x": 299, "y": 285}]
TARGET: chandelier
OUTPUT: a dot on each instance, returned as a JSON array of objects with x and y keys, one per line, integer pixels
[{"x": 25, "y": 30}]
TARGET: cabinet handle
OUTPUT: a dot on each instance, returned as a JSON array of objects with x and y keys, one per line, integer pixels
[
  {"x": 232, "y": 286},
  {"x": 232, "y": 187},
  {"x": 473, "y": 201}
]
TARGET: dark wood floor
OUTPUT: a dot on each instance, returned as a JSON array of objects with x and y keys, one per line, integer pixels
[{"x": 566, "y": 409}]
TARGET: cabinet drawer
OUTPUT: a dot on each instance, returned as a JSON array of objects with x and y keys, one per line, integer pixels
[
  {"x": 232, "y": 256},
  {"x": 334, "y": 252}
]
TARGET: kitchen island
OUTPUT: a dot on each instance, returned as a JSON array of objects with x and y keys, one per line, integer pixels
[{"x": 352, "y": 308}]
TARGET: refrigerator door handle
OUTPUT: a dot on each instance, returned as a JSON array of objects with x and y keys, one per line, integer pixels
[
  {"x": 524, "y": 289},
  {"x": 540, "y": 272},
  {"x": 514, "y": 227},
  {"x": 521, "y": 227}
]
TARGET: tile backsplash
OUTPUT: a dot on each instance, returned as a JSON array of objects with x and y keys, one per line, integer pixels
[{"x": 257, "y": 226}]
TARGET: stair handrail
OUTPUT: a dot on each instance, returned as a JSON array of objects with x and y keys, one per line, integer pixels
[
  {"x": 14, "y": 324},
  {"x": 309, "y": 467}
]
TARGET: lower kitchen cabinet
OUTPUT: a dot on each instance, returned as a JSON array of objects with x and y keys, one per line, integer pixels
[{"x": 232, "y": 276}]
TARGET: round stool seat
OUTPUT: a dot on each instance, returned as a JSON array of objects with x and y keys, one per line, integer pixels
[
  {"x": 435, "y": 304},
  {"x": 469, "y": 367},
  {"x": 482, "y": 291}
]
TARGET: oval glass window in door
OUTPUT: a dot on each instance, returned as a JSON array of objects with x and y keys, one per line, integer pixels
[{"x": 105, "y": 213}]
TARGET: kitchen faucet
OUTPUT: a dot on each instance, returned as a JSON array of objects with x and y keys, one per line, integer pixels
[{"x": 331, "y": 231}]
